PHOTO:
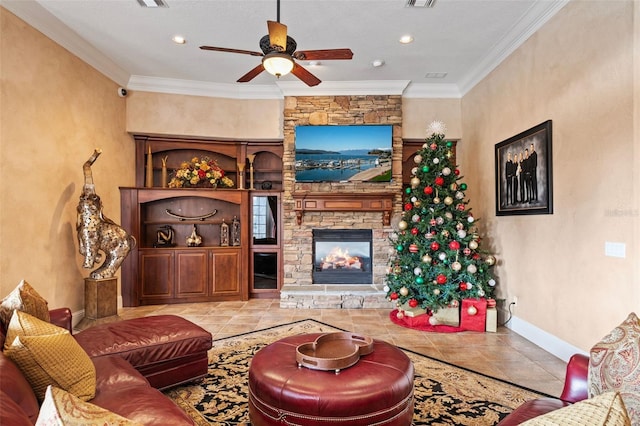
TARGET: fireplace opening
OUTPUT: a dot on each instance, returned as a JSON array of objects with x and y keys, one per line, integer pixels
[{"x": 342, "y": 256}]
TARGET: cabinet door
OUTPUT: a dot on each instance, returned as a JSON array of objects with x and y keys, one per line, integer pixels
[
  {"x": 191, "y": 273},
  {"x": 225, "y": 272},
  {"x": 156, "y": 274}
]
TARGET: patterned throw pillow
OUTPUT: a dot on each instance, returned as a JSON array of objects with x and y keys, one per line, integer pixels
[
  {"x": 62, "y": 408},
  {"x": 51, "y": 359},
  {"x": 24, "y": 298},
  {"x": 614, "y": 365},
  {"x": 23, "y": 324},
  {"x": 603, "y": 410}
]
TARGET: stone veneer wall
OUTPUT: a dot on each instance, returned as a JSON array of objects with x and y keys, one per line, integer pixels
[{"x": 298, "y": 290}]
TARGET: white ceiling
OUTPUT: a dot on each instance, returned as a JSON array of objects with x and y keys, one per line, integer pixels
[{"x": 132, "y": 45}]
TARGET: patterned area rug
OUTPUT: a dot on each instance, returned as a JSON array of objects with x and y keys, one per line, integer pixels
[{"x": 445, "y": 394}]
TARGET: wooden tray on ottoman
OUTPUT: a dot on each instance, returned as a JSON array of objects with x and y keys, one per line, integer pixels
[{"x": 333, "y": 351}]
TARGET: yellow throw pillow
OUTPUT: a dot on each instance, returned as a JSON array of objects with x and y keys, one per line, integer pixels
[
  {"x": 23, "y": 324},
  {"x": 55, "y": 359},
  {"x": 62, "y": 408},
  {"x": 24, "y": 298},
  {"x": 603, "y": 410}
]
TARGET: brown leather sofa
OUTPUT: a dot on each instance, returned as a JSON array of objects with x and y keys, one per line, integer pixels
[
  {"x": 133, "y": 360},
  {"x": 575, "y": 389}
]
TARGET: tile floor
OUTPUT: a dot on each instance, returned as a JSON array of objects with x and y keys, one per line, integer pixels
[{"x": 505, "y": 354}]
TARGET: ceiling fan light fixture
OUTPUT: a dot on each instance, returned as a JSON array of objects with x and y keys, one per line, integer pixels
[{"x": 277, "y": 63}]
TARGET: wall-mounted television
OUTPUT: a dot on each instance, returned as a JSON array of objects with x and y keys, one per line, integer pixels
[{"x": 343, "y": 153}]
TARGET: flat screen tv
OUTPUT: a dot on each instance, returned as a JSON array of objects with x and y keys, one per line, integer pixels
[{"x": 351, "y": 153}]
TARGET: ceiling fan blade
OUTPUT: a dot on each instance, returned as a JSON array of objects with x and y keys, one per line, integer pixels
[
  {"x": 304, "y": 75},
  {"x": 224, "y": 49},
  {"x": 251, "y": 74},
  {"x": 323, "y": 55},
  {"x": 277, "y": 35}
]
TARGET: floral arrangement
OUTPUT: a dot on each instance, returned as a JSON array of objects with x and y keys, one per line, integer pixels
[{"x": 200, "y": 173}]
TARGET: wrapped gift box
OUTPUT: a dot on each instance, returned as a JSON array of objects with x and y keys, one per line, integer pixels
[
  {"x": 412, "y": 312},
  {"x": 473, "y": 314},
  {"x": 448, "y": 316}
]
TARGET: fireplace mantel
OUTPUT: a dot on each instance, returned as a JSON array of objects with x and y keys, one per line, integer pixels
[{"x": 340, "y": 202}]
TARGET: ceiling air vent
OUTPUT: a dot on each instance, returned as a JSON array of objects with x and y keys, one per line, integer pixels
[
  {"x": 153, "y": 3},
  {"x": 420, "y": 3}
]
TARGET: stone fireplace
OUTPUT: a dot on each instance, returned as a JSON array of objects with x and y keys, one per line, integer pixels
[{"x": 364, "y": 206}]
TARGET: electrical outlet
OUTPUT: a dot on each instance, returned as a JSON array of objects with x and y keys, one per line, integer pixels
[{"x": 515, "y": 301}]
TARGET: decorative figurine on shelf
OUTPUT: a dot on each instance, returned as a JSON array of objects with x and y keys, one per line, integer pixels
[
  {"x": 98, "y": 233},
  {"x": 235, "y": 232},
  {"x": 194, "y": 240},
  {"x": 164, "y": 237},
  {"x": 224, "y": 234}
]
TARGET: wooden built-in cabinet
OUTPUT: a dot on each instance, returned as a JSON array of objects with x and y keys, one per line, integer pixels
[{"x": 211, "y": 271}]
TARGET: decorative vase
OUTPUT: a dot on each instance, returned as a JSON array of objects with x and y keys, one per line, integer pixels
[
  {"x": 235, "y": 232},
  {"x": 165, "y": 179},
  {"x": 149, "y": 175}
]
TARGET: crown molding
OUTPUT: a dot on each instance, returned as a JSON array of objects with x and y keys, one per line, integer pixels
[
  {"x": 41, "y": 19},
  {"x": 346, "y": 88},
  {"x": 538, "y": 14},
  {"x": 202, "y": 88}
]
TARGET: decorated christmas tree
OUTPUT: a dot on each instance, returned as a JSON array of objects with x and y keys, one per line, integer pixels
[{"x": 438, "y": 260}]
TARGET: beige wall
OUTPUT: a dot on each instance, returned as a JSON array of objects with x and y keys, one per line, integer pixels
[
  {"x": 577, "y": 71},
  {"x": 160, "y": 113},
  {"x": 54, "y": 109}
]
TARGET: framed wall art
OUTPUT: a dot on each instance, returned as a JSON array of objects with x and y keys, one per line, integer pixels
[{"x": 524, "y": 173}]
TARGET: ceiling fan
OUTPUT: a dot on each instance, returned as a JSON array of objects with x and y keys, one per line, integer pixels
[{"x": 279, "y": 54}]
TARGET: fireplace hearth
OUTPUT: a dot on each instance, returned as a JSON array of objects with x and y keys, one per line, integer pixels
[{"x": 342, "y": 256}]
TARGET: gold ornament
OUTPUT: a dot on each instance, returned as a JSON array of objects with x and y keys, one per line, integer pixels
[
  {"x": 415, "y": 182},
  {"x": 402, "y": 225},
  {"x": 404, "y": 291},
  {"x": 490, "y": 260}
]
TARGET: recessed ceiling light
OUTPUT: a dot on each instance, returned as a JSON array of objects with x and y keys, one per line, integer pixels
[
  {"x": 435, "y": 75},
  {"x": 406, "y": 39},
  {"x": 377, "y": 63},
  {"x": 178, "y": 39}
]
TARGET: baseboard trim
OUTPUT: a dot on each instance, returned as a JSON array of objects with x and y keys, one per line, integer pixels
[{"x": 546, "y": 341}]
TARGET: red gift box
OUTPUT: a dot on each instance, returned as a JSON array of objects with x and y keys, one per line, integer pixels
[{"x": 473, "y": 314}]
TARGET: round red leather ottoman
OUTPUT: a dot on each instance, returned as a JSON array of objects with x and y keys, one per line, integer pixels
[{"x": 377, "y": 390}]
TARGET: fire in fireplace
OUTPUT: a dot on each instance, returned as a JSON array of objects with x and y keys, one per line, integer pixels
[{"x": 342, "y": 256}]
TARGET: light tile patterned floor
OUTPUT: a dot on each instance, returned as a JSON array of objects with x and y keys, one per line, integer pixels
[{"x": 504, "y": 354}]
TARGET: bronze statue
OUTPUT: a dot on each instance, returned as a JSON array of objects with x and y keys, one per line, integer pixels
[{"x": 98, "y": 233}]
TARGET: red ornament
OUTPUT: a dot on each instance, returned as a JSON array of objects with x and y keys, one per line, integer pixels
[
  {"x": 408, "y": 206},
  {"x": 414, "y": 231},
  {"x": 460, "y": 207},
  {"x": 454, "y": 245},
  {"x": 441, "y": 279},
  {"x": 476, "y": 256},
  {"x": 433, "y": 146},
  {"x": 467, "y": 251},
  {"x": 463, "y": 286},
  {"x": 428, "y": 190},
  {"x": 413, "y": 248},
  {"x": 456, "y": 172},
  {"x": 432, "y": 222},
  {"x": 413, "y": 303},
  {"x": 393, "y": 296},
  {"x": 439, "y": 181},
  {"x": 435, "y": 246}
]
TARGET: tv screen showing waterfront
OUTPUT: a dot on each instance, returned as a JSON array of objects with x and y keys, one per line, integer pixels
[{"x": 343, "y": 153}]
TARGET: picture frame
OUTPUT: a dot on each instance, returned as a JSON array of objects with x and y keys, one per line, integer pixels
[{"x": 524, "y": 181}]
